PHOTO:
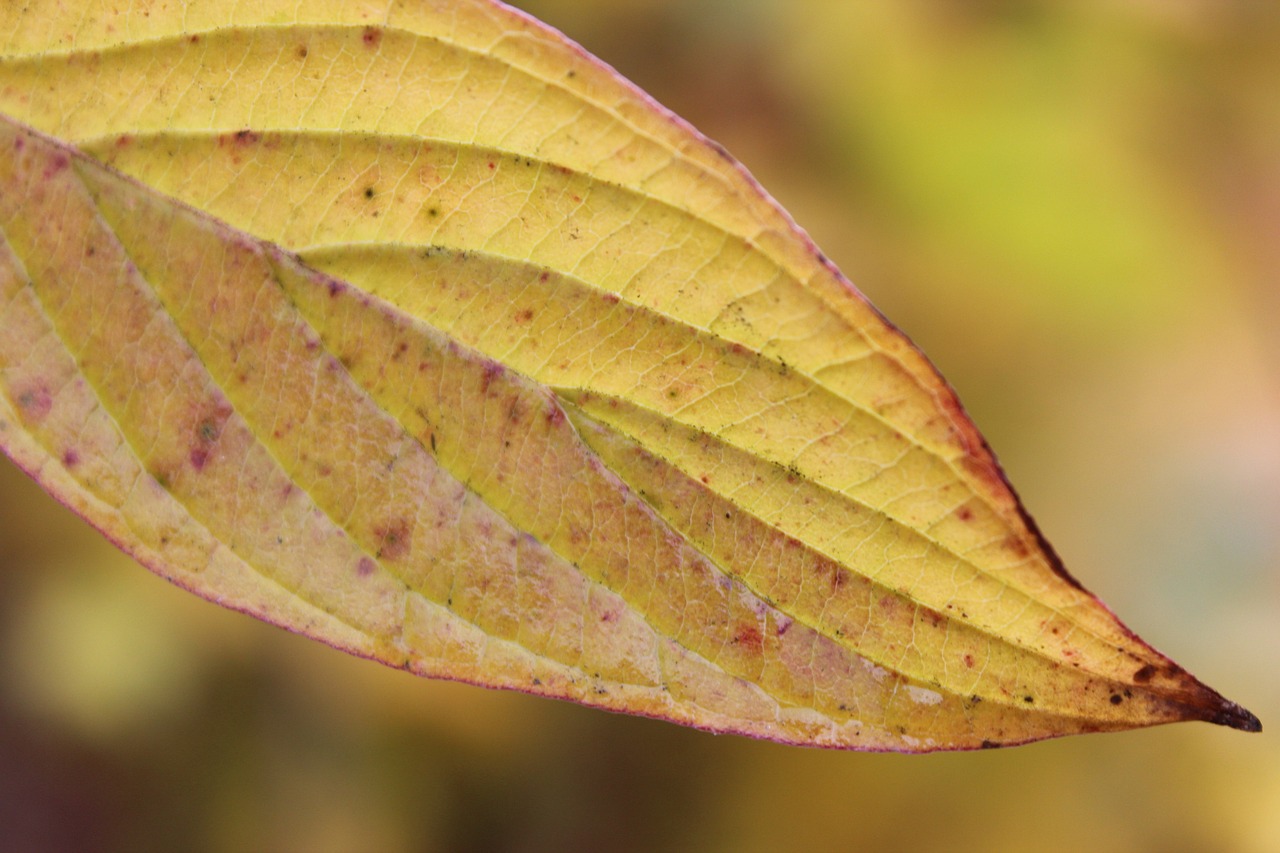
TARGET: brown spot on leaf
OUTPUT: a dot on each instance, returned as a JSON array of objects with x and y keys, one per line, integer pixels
[
  {"x": 371, "y": 37},
  {"x": 1145, "y": 674},
  {"x": 393, "y": 539},
  {"x": 206, "y": 433},
  {"x": 35, "y": 403},
  {"x": 749, "y": 637},
  {"x": 365, "y": 567},
  {"x": 70, "y": 459},
  {"x": 1018, "y": 546}
]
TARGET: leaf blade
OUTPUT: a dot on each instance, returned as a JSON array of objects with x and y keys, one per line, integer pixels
[{"x": 687, "y": 286}]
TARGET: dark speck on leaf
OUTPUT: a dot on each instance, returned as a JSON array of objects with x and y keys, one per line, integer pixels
[
  {"x": 394, "y": 538},
  {"x": 36, "y": 402}
]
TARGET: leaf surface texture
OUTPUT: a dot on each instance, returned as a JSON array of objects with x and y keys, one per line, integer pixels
[{"x": 416, "y": 329}]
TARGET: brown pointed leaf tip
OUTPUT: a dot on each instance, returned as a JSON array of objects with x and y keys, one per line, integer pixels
[{"x": 560, "y": 401}]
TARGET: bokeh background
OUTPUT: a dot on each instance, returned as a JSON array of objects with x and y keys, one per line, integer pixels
[{"x": 1073, "y": 207}]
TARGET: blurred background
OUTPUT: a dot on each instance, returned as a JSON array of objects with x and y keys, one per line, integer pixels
[{"x": 1073, "y": 208}]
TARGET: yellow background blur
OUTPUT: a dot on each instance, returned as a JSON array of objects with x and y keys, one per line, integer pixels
[{"x": 1073, "y": 207}]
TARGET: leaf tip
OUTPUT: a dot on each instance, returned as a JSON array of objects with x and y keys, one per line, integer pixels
[
  {"x": 1230, "y": 714},
  {"x": 1206, "y": 704},
  {"x": 1213, "y": 707}
]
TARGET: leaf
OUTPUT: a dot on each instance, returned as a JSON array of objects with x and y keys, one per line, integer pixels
[{"x": 560, "y": 401}]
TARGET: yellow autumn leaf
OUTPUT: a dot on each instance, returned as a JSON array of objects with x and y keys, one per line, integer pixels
[{"x": 458, "y": 352}]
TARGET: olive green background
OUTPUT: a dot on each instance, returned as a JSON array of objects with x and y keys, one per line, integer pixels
[{"x": 1073, "y": 208}]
